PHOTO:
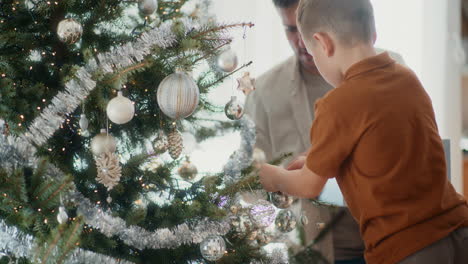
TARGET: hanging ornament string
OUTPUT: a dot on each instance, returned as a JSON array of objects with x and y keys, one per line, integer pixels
[{"x": 244, "y": 37}]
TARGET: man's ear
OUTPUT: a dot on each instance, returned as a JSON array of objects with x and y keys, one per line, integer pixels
[{"x": 325, "y": 42}]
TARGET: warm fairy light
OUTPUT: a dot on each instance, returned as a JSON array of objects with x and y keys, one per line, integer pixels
[
  {"x": 43, "y": 53},
  {"x": 44, "y": 100},
  {"x": 30, "y": 67},
  {"x": 19, "y": 124},
  {"x": 39, "y": 209},
  {"x": 22, "y": 116},
  {"x": 48, "y": 2},
  {"x": 50, "y": 149},
  {"x": 53, "y": 64},
  {"x": 63, "y": 149},
  {"x": 38, "y": 108},
  {"x": 3, "y": 75},
  {"x": 98, "y": 202},
  {"x": 45, "y": 221},
  {"x": 95, "y": 191}
]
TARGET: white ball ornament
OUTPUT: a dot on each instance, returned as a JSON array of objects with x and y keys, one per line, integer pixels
[
  {"x": 227, "y": 60},
  {"x": 120, "y": 109},
  {"x": 178, "y": 95},
  {"x": 69, "y": 31},
  {"x": 103, "y": 143},
  {"x": 147, "y": 7}
]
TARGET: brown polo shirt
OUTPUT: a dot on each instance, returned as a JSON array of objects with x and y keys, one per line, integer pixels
[{"x": 377, "y": 134}]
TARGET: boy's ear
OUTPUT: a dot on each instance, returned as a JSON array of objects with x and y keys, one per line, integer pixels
[{"x": 325, "y": 42}]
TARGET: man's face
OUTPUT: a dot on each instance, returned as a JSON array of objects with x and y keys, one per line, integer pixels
[{"x": 288, "y": 16}]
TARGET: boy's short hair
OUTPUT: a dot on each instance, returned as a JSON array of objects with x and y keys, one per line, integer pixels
[
  {"x": 351, "y": 20},
  {"x": 285, "y": 3}
]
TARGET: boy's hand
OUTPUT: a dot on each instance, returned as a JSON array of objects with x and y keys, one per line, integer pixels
[
  {"x": 298, "y": 162},
  {"x": 268, "y": 176}
]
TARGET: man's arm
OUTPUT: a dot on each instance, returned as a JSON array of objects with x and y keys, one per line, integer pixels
[{"x": 302, "y": 183}]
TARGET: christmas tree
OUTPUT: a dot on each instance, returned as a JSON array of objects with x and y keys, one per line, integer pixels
[{"x": 84, "y": 87}]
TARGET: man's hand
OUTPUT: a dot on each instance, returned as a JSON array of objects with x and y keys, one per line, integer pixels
[{"x": 268, "y": 177}]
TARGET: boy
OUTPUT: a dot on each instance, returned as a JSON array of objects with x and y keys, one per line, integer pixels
[{"x": 376, "y": 133}]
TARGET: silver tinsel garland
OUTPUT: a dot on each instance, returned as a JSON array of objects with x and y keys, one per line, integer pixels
[
  {"x": 140, "y": 238},
  {"x": 14, "y": 242},
  {"x": 242, "y": 158}
]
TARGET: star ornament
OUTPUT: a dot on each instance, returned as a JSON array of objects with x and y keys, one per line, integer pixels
[{"x": 246, "y": 84}]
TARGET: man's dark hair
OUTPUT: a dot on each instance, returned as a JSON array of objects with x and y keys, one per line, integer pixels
[{"x": 285, "y": 3}]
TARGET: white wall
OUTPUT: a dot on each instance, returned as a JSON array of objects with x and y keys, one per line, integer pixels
[{"x": 426, "y": 32}]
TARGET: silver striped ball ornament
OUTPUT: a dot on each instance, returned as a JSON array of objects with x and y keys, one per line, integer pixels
[{"x": 178, "y": 95}]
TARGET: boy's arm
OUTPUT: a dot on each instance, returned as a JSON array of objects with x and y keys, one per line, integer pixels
[{"x": 302, "y": 183}]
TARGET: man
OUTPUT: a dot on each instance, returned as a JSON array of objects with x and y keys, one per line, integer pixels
[{"x": 283, "y": 109}]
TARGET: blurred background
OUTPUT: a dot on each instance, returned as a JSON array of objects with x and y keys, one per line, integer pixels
[{"x": 431, "y": 35}]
